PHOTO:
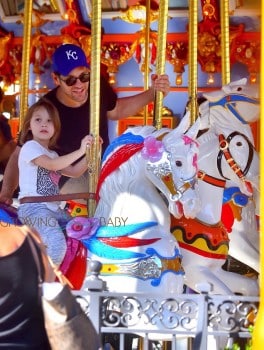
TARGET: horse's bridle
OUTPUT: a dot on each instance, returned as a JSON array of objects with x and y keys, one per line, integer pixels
[
  {"x": 176, "y": 193},
  {"x": 225, "y": 151},
  {"x": 163, "y": 171},
  {"x": 229, "y": 102}
]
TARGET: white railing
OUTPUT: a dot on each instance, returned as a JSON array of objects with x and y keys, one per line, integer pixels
[{"x": 186, "y": 321}]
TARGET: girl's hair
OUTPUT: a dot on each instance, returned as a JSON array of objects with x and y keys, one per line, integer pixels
[{"x": 53, "y": 113}]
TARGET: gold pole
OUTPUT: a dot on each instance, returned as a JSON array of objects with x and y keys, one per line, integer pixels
[
  {"x": 25, "y": 60},
  {"x": 146, "y": 73},
  {"x": 258, "y": 333},
  {"x": 161, "y": 58},
  {"x": 95, "y": 98},
  {"x": 192, "y": 53},
  {"x": 225, "y": 45}
]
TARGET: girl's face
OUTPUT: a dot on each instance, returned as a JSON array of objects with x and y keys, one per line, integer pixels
[{"x": 42, "y": 126}]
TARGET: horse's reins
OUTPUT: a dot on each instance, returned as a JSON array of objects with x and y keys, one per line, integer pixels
[
  {"x": 225, "y": 151},
  {"x": 201, "y": 175},
  {"x": 229, "y": 102}
]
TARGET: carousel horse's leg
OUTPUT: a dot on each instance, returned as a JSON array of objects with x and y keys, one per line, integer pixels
[
  {"x": 224, "y": 282},
  {"x": 244, "y": 244}
]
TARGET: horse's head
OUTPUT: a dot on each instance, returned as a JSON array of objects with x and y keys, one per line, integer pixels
[
  {"x": 228, "y": 160},
  {"x": 238, "y": 161},
  {"x": 236, "y": 103},
  {"x": 172, "y": 167}
]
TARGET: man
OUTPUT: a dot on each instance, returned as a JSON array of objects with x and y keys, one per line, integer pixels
[{"x": 71, "y": 96}]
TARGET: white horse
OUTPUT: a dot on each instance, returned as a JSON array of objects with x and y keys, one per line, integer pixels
[
  {"x": 234, "y": 108},
  {"x": 146, "y": 175},
  {"x": 204, "y": 242}
]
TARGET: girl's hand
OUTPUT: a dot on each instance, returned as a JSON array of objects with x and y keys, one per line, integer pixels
[{"x": 87, "y": 141}]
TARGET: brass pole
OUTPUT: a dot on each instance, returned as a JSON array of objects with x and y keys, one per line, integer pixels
[
  {"x": 161, "y": 59},
  {"x": 258, "y": 334},
  {"x": 95, "y": 99},
  {"x": 146, "y": 73},
  {"x": 192, "y": 53},
  {"x": 225, "y": 45},
  {"x": 25, "y": 61}
]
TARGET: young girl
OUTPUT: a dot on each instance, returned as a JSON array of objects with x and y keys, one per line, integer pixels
[{"x": 39, "y": 171}]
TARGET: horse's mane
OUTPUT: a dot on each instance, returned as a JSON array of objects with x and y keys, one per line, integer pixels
[
  {"x": 147, "y": 130},
  {"x": 126, "y": 173},
  {"x": 206, "y": 137}
]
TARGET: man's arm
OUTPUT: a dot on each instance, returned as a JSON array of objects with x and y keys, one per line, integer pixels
[
  {"x": 10, "y": 180},
  {"x": 131, "y": 105}
]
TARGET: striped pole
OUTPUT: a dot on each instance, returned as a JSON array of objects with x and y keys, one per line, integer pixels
[
  {"x": 95, "y": 152},
  {"x": 25, "y": 61},
  {"x": 192, "y": 61},
  {"x": 161, "y": 59},
  {"x": 225, "y": 42}
]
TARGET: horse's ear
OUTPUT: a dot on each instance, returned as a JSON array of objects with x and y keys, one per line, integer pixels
[
  {"x": 194, "y": 129},
  {"x": 184, "y": 123},
  {"x": 228, "y": 88},
  {"x": 204, "y": 112},
  {"x": 242, "y": 81}
]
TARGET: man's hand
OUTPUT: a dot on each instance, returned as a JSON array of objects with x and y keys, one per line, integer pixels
[{"x": 161, "y": 83}]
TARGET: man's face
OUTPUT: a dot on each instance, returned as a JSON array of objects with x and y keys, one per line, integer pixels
[{"x": 73, "y": 88}]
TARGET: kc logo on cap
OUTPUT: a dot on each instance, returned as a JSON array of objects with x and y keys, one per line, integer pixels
[
  {"x": 68, "y": 57},
  {"x": 71, "y": 55}
]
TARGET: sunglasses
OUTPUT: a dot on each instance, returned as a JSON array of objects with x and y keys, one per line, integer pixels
[{"x": 70, "y": 80}]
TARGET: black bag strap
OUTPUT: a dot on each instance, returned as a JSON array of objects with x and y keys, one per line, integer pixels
[{"x": 34, "y": 240}]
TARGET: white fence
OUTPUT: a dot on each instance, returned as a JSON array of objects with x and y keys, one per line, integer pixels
[{"x": 186, "y": 321}]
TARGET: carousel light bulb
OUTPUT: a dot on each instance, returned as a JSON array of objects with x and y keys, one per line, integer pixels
[
  {"x": 112, "y": 79},
  {"x": 253, "y": 78},
  {"x": 37, "y": 80},
  {"x": 178, "y": 79},
  {"x": 210, "y": 79}
]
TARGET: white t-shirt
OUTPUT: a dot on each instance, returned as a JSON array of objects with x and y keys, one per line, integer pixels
[{"x": 35, "y": 180}]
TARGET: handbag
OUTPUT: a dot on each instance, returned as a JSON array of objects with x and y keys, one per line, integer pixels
[{"x": 67, "y": 325}]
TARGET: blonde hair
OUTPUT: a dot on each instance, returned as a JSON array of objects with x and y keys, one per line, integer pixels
[{"x": 53, "y": 113}]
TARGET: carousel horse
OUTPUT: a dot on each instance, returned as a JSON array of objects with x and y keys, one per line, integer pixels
[
  {"x": 146, "y": 174},
  {"x": 223, "y": 152},
  {"x": 234, "y": 108}
]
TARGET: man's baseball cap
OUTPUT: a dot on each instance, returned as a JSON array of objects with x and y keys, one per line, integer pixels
[{"x": 67, "y": 57}]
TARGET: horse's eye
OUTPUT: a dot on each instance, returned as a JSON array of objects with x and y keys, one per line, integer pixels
[
  {"x": 178, "y": 163},
  {"x": 239, "y": 89}
]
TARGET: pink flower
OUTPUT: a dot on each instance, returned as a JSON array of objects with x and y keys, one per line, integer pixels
[{"x": 152, "y": 149}]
